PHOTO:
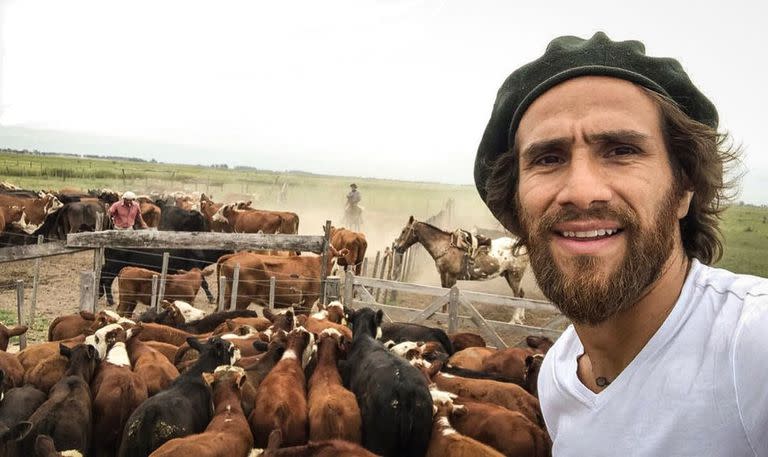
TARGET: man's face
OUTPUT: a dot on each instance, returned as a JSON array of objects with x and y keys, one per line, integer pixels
[{"x": 596, "y": 198}]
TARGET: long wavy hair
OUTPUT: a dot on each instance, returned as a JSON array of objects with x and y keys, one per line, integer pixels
[{"x": 702, "y": 160}]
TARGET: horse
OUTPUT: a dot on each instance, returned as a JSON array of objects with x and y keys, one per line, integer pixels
[
  {"x": 479, "y": 259},
  {"x": 353, "y": 217}
]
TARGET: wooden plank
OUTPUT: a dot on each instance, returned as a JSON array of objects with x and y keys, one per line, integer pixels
[
  {"x": 402, "y": 314},
  {"x": 376, "y": 264},
  {"x": 332, "y": 287},
  {"x": 324, "y": 260},
  {"x": 160, "y": 239},
  {"x": 33, "y": 251},
  {"x": 35, "y": 284},
  {"x": 163, "y": 277},
  {"x": 349, "y": 287},
  {"x": 155, "y": 303},
  {"x": 20, "y": 311},
  {"x": 433, "y": 307},
  {"x": 479, "y": 320},
  {"x": 453, "y": 310},
  {"x": 364, "y": 269},
  {"x": 87, "y": 284},
  {"x": 222, "y": 288},
  {"x": 235, "y": 284},
  {"x": 98, "y": 260},
  {"x": 272, "y": 284},
  {"x": 434, "y": 291},
  {"x": 513, "y": 302}
]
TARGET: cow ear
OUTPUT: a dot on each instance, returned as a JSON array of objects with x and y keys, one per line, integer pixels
[
  {"x": 208, "y": 378},
  {"x": 241, "y": 378},
  {"x": 379, "y": 317},
  {"x": 18, "y": 330},
  {"x": 2, "y": 376},
  {"x": 289, "y": 316},
  {"x": 165, "y": 304},
  {"x": 268, "y": 314},
  {"x": 260, "y": 345},
  {"x": 528, "y": 361},
  {"x": 87, "y": 315},
  {"x": 19, "y": 431},
  {"x": 64, "y": 350},
  {"x": 92, "y": 352},
  {"x": 458, "y": 410},
  {"x": 194, "y": 344},
  {"x": 410, "y": 221}
]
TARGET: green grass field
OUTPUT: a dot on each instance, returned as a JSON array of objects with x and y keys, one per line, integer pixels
[{"x": 316, "y": 198}]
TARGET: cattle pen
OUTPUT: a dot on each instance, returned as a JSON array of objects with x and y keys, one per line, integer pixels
[{"x": 450, "y": 308}]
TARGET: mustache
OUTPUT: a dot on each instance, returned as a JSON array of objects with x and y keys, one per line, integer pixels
[{"x": 625, "y": 217}]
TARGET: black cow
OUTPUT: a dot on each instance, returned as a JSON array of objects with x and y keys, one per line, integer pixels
[
  {"x": 394, "y": 399},
  {"x": 73, "y": 218},
  {"x": 403, "y": 331},
  {"x": 183, "y": 408},
  {"x": 180, "y": 259},
  {"x": 17, "y": 405},
  {"x": 177, "y": 219},
  {"x": 205, "y": 325}
]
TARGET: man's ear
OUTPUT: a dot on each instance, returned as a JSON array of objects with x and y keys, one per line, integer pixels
[{"x": 685, "y": 204}]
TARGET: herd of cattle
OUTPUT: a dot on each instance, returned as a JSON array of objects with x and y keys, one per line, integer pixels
[
  {"x": 327, "y": 381},
  {"x": 26, "y": 214},
  {"x": 331, "y": 381}
]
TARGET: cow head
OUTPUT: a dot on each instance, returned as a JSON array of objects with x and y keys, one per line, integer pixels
[
  {"x": 366, "y": 321},
  {"x": 408, "y": 236},
  {"x": 301, "y": 342},
  {"x": 6, "y": 334},
  {"x": 104, "y": 338},
  {"x": 216, "y": 350},
  {"x": 83, "y": 359},
  {"x": 225, "y": 376}
]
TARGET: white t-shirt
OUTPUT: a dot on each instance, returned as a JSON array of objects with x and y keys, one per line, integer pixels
[{"x": 698, "y": 388}]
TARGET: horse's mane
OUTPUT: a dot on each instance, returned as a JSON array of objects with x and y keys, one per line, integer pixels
[{"x": 432, "y": 226}]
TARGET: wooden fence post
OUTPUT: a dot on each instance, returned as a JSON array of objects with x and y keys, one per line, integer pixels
[
  {"x": 155, "y": 302},
  {"x": 324, "y": 260},
  {"x": 35, "y": 283},
  {"x": 98, "y": 260},
  {"x": 383, "y": 271},
  {"x": 163, "y": 277},
  {"x": 332, "y": 288},
  {"x": 453, "y": 310},
  {"x": 364, "y": 270},
  {"x": 20, "y": 310},
  {"x": 272, "y": 284},
  {"x": 235, "y": 282},
  {"x": 222, "y": 287},
  {"x": 390, "y": 268},
  {"x": 349, "y": 288},
  {"x": 87, "y": 283},
  {"x": 376, "y": 264}
]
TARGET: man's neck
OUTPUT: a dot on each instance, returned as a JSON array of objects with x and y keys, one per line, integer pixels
[{"x": 610, "y": 346}]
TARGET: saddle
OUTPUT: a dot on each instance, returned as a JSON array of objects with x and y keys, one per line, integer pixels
[{"x": 469, "y": 243}]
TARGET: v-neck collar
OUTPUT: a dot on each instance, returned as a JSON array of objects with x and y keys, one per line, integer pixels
[{"x": 658, "y": 341}]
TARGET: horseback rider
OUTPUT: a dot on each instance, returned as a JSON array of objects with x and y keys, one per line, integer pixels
[{"x": 353, "y": 197}]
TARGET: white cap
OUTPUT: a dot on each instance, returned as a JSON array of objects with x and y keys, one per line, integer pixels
[{"x": 129, "y": 195}]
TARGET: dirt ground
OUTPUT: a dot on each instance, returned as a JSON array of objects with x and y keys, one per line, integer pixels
[{"x": 59, "y": 293}]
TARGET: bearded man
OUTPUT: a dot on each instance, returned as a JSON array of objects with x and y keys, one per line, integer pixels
[{"x": 608, "y": 165}]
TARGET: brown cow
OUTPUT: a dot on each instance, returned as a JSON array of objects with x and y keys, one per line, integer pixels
[
  {"x": 248, "y": 220},
  {"x": 355, "y": 243},
  {"x": 461, "y": 341},
  {"x": 152, "y": 366},
  {"x": 70, "y": 325},
  {"x": 329, "y": 448},
  {"x": 333, "y": 410},
  {"x": 116, "y": 392},
  {"x": 297, "y": 278},
  {"x": 470, "y": 358},
  {"x": 445, "y": 440},
  {"x": 228, "y": 433},
  {"x": 6, "y": 334},
  {"x": 135, "y": 285},
  {"x": 35, "y": 209},
  {"x": 508, "y": 395},
  {"x": 66, "y": 415},
  {"x": 149, "y": 212},
  {"x": 507, "y": 431},
  {"x": 281, "y": 401}
]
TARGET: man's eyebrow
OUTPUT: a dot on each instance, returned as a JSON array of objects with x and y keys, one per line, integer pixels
[
  {"x": 617, "y": 136},
  {"x": 534, "y": 149}
]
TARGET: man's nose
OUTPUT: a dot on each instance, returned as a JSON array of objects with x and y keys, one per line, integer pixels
[{"x": 585, "y": 183}]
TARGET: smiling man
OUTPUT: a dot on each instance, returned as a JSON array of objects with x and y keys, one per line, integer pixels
[{"x": 608, "y": 165}]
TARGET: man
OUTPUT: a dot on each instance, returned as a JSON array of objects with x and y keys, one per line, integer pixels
[
  {"x": 353, "y": 197},
  {"x": 125, "y": 212},
  {"x": 608, "y": 166}
]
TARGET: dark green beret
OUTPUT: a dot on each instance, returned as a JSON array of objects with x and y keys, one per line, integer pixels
[{"x": 568, "y": 57}]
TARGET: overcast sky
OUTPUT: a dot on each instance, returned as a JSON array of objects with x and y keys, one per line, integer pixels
[{"x": 393, "y": 89}]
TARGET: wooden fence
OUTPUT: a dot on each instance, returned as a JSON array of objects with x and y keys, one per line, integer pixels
[{"x": 459, "y": 303}]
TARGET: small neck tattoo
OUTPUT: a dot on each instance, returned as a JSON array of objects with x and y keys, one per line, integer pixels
[{"x": 602, "y": 381}]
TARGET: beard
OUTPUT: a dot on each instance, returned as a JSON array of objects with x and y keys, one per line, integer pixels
[{"x": 586, "y": 294}]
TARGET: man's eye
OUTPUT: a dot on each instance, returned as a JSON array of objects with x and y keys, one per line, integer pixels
[
  {"x": 622, "y": 151},
  {"x": 548, "y": 159}
]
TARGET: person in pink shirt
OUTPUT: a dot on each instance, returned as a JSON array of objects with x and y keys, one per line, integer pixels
[{"x": 124, "y": 212}]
